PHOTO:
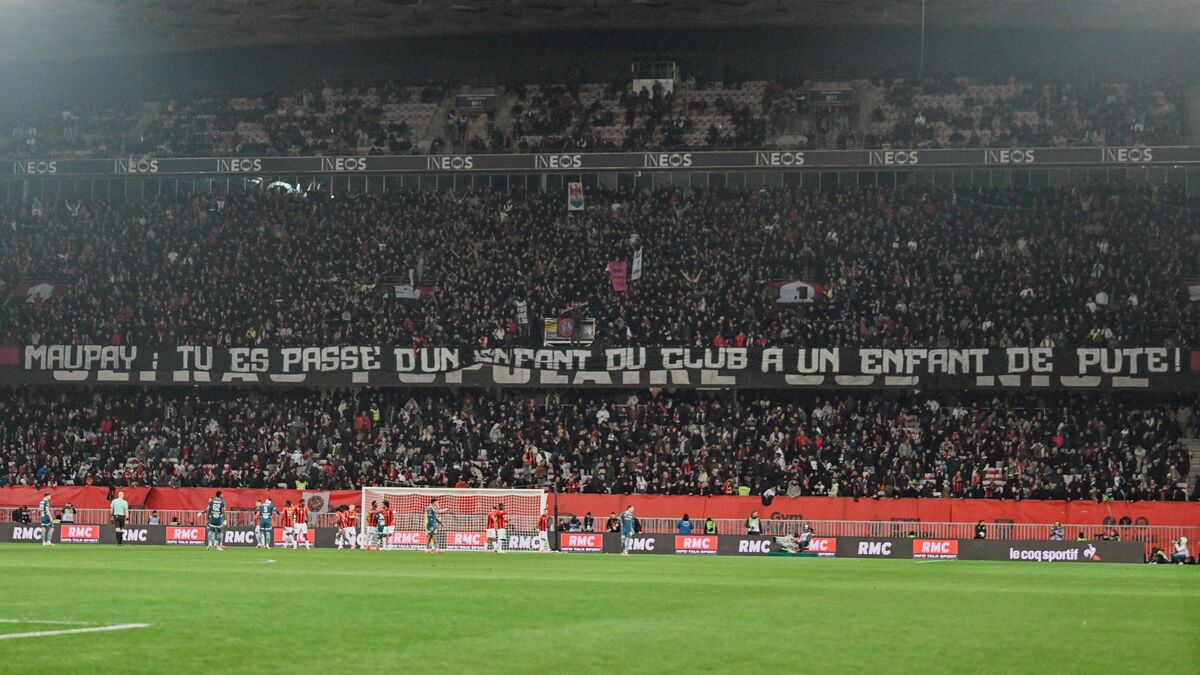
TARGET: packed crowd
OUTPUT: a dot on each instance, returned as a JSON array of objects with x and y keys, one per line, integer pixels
[
  {"x": 387, "y": 118},
  {"x": 1011, "y": 447},
  {"x": 1085, "y": 266}
]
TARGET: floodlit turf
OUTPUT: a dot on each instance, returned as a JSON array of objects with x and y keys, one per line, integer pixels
[{"x": 325, "y": 611}]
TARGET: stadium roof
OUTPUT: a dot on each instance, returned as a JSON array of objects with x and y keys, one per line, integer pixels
[{"x": 38, "y": 29}]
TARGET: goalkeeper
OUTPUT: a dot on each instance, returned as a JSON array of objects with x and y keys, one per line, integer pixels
[
  {"x": 432, "y": 521},
  {"x": 628, "y": 526}
]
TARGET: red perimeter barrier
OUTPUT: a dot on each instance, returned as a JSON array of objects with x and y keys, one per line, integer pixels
[{"x": 661, "y": 506}]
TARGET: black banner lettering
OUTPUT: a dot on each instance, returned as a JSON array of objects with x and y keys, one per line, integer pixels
[{"x": 1133, "y": 368}]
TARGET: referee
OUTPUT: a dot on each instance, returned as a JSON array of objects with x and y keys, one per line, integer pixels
[{"x": 120, "y": 509}]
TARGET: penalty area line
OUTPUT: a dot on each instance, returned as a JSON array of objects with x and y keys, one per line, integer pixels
[{"x": 73, "y": 631}]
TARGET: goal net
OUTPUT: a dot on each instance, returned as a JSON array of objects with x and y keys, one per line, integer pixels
[{"x": 463, "y": 516}]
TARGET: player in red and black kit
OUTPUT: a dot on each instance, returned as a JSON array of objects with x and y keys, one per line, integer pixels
[
  {"x": 339, "y": 537},
  {"x": 350, "y": 531},
  {"x": 497, "y": 527},
  {"x": 287, "y": 518},
  {"x": 389, "y": 525},
  {"x": 300, "y": 526},
  {"x": 543, "y": 532}
]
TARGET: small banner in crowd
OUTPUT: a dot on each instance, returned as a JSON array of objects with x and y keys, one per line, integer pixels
[
  {"x": 411, "y": 292},
  {"x": 1191, "y": 289},
  {"x": 574, "y": 196},
  {"x": 522, "y": 312},
  {"x": 618, "y": 273},
  {"x": 796, "y": 292},
  {"x": 636, "y": 273},
  {"x": 37, "y": 292}
]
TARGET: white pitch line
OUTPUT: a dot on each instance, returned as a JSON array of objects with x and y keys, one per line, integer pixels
[
  {"x": 72, "y": 631},
  {"x": 54, "y": 623}
]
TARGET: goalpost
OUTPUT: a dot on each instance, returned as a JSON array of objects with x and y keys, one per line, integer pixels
[{"x": 463, "y": 516}]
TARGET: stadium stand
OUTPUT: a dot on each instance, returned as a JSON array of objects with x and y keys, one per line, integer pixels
[
  {"x": 392, "y": 119},
  {"x": 383, "y": 119},
  {"x": 1013, "y": 446},
  {"x": 1079, "y": 266}
]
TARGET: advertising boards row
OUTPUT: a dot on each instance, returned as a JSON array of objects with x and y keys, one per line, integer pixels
[
  {"x": 856, "y": 547},
  {"x": 574, "y": 162},
  {"x": 588, "y": 542}
]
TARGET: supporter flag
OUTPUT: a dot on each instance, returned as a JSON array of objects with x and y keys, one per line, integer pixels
[
  {"x": 993, "y": 478},
  {"x": 636, "y": 273},
  {"x": 574, "y": 196},
  {"x": 796, "y": 292},
  {"x": 318, "y": 502},
  {"x": 1191, "y": 289},
  {"x": 37, "y": 292},
  {"x": 522, "y": 312},
  {"x": 411, "y": 292},
  {"x": 618, "y": 273}
]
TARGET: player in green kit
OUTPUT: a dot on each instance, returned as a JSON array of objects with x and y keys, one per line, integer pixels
[
  {"x": 216, "y": 522},
  {"x": 45, "y": 520},
  {"x": 265, "y": 510},
  {"x": 627, "y": 528},
  {"x": 431, "y": 525}
]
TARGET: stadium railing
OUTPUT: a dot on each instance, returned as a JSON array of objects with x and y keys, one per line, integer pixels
[{"x": 1151, "y": 536}]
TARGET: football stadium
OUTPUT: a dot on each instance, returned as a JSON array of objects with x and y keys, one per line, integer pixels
[{"x": 599, "y": 336}]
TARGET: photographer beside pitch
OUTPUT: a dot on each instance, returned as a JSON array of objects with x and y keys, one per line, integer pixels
[{"x": 1179, "y": 556}]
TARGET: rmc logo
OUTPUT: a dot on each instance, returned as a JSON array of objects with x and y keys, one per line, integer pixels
[
  {"x": 239, "y": 536},
  {"x": 935, "y": 548},
  {"x": 642, "y": 544},
  {"x": 27, "y": 534},
  {"x": 875, "y": 548},
  {"x": 752, "y": 546},
  {"x": 523, "y": 542},
  {"x": 407, "y": 539}
]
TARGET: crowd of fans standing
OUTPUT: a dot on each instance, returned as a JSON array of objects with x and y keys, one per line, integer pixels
[
  {"x": 1053, "y": 446},
  {"x": 910, "y": 266}
]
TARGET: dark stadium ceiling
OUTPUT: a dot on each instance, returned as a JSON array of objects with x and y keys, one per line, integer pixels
[{"x": 37, "y": 29}]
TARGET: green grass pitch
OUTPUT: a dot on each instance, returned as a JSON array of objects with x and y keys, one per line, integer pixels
[{"x": 342, "y": 611}]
